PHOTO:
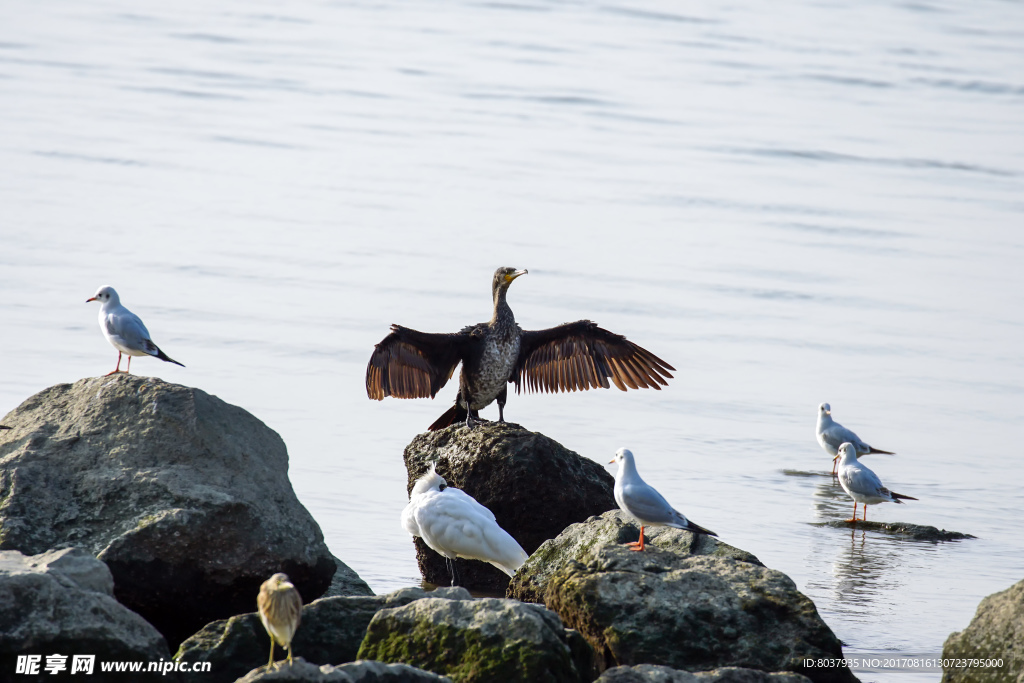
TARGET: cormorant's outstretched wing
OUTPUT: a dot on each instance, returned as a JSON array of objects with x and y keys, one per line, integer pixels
[
  {"x": 581, "y": 355},
  {"x": 411, "y": 364}
]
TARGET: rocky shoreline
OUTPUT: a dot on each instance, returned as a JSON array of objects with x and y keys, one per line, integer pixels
[{"x": 139, "y": 517}]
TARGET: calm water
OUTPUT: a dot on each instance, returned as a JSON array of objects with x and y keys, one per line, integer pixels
[{"x": 814, "y": 202}]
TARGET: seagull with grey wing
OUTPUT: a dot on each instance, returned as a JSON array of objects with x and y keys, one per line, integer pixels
[
  {"x": 862, "y": 484},
  {"x": 831, "y": 435},
  {"x": 644, "y": 503},
  {"x": 124, "y": 330}
]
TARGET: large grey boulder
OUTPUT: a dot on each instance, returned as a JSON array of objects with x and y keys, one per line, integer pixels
[
  {"x": 62, "y": 602},
  {"x": 995, "y": 632},
  {"x": 185, "y": 497},
  {"x": 614, "y": 527},
  {"x": 508, "y": 469},
  {"x": 650, "y": 673},
  {"x": 483, "y": 640},
  {"x": 330, "y": 632},
  {"x": 686, "y": 602},
  {"x": 354, "y": 672},
  {"x": 346, "y": 582}
]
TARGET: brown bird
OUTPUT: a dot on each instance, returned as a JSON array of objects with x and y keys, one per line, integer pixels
[
  {"x": 280, "y": 608},
  {"x": 570, "y": 357}
]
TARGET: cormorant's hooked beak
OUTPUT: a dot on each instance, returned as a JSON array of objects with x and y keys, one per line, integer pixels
[{"x": 513, "y": 276}]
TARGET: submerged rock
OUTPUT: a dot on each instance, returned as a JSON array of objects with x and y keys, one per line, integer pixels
[
  {"x": 508, "y": 469},
  {"x": 185, "y": 497},
  {"x": 995, "y": 632},
  {"x": 330, "y": 632},
  {"x": 650, "y": 673},
  {"x": 690, "y": 603},
  {"x": 478, "y": 641},
  {"x": 301, "y": 671},
  {"x": 912, "y": 532},
  {"x": 62, "y": 602}
]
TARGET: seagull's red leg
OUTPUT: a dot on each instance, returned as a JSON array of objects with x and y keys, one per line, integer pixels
[
  {"x": 638, "y": 545},
  {"x": 128, "y": 370},
  {"x": 118, "y": 368},
  {"x": 854, "y": 512},
  {"x": 835, "y": 461},
  {"x": 865, "y": 512}
]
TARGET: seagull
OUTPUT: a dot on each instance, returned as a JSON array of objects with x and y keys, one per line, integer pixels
[
  {"x": 831, "y": 435},
  {"x": 280, "y": 608},
  {"x": 124, "y": 330},
  {"x": 454, "y": 524},
  {"x": 862, "y": 484},
  {"x": 643, "y": 502}
]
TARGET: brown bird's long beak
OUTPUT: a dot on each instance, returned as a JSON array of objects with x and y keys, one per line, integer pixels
[
  {"x": 516, "y": 274},
  {"x": 92, "y": 298}
]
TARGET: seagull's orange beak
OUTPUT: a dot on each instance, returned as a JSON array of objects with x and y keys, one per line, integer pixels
[
  {"x": 611, "y": 461},
  {"x": 92, "y": 298}
]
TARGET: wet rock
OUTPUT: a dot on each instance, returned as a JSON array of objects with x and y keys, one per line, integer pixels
[
  {"x": 614, "y": 527},
  {"x": 995, "y": 632},
  {"x": 686, "y": 602},
  {"x": 911, "y": 532},
  {"x": 649, "y": 673},
  {"x": 62, "y": 602},
  {"x": 471, "y": 641},
  {"x": 330, "y": 632},
  {"x": 185, "y": 497},
  {"x": 508, "y": 469},
  {"x": 302, "y": 671}
]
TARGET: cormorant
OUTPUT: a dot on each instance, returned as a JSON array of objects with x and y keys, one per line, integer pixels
[{"x": 570, "y": 357}]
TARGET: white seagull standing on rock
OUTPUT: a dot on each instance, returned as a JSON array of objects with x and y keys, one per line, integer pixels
[
  {"x": 862, "y": 484},
  {"x": 124, "y": 330},
  {"x": 831, "y": 435},
  {"x": 454, "y": 524},
  {"x": 639, "y": 499}
]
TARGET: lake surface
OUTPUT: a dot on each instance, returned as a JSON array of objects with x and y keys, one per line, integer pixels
[{"x": 791, "y": 204}]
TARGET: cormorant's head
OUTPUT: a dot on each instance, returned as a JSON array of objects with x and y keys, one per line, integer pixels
[{"x": 503, "y": 277}]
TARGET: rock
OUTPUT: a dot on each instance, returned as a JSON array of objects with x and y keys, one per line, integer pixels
[
  {"x": 302, "y": 671},
  {"x": 185, "y": 497},
  {"x": 718, "y": 607},
  {"x": 471, "y": 641},
  {"x": 910, "y": 532},
  {"x": 508, "y": 469},
  {"x": 330, "y": 632},
  {"x": 614, "y": 527},
  {"x": 62, "y": 602},
  {"x": 649, "y": 673},
  {"x": 346, "y": 582},
  {"x": 995, "y": 632}
]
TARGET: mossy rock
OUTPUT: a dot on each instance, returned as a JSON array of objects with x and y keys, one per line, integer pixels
[{"x": 474, "y": 641}]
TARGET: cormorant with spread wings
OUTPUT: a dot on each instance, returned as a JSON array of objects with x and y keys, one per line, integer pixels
[{"x": 570, "y": 357}]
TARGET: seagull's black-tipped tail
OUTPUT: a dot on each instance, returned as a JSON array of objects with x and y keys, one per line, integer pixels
[
  {"x": 163, "y": 356},
  {"x": 897, "y": 496},
  {"x": 697, "y": 529},
  {"x": 878, "y": 450}
]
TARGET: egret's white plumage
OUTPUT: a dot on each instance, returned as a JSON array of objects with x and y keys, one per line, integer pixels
[
  {"x": 454, "y": 524},
  {"x": 862, "y": 484},
  {"x": 124, "y": 330},
  {"x": 831, "y": 435},
  {"x": 644, "y": 503}
]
